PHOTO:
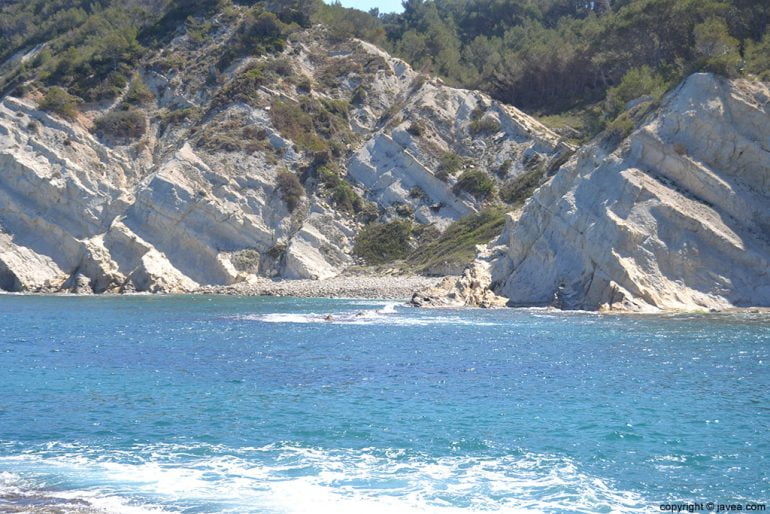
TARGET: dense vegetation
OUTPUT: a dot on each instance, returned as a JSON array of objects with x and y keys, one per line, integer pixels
[
  {"x": 379, "y": 243},
  {"x": 582, "y": 60},
  {"x": 422, "y": 248},
  {"x": 457, "y": 245},
  {"x": 557, "y": 55}
]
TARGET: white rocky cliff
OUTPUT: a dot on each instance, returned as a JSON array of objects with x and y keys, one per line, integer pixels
[
  {"x": 196, "y": 200},
  {"x": 676, "y": 217}
]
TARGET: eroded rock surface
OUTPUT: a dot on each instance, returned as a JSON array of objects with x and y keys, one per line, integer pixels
[
  {"x": 472, "y": 289},
  {"x": 676, "y": 217},
  {"x": 195, "y": 201}
]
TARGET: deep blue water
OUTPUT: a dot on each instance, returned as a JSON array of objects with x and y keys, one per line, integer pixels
[{"x": 223, "y": 404}]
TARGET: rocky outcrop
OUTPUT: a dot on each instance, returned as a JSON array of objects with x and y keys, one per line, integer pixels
[
  {"x": 472, "y": 289},
  {"x": 195, "y": 201},
  {"x": 675, "y": 217},
  {"x": 70, "y": 206},
  {"x": 401, "y": 164}
]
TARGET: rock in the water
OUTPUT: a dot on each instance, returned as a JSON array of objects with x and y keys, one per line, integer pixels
[{"x": 80, "y": 284}]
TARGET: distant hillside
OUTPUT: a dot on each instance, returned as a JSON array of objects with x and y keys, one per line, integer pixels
[{"x": 573, "y": 61}]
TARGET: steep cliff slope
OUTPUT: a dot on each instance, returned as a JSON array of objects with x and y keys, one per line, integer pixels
[
  {"x": 189, "y": 187},
  {"x": 677, "y": 216}
]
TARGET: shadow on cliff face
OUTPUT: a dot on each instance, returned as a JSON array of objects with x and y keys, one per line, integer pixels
[{"x": 8, "y": 281}]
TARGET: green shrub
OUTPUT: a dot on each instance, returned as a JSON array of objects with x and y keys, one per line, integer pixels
[
  {"x": 300, "y": 12},
  {"x": 718, "y": 50},
  {"x": 246, "y": 261},
  {"x": 504, "y": 169},
  {"x": 59, "y": 101},
  {"x": 341, "y": 194},
  {"x": 619, "y": 129},
  {"x": 359, "y": 96},
  {"x": 485, "y": 125},
  {"x": 449, "y": 164},
  {"x": 260, "y": 32},
  {"x": 457, "y": 245},
  {"x": 102, "y": 86},
  {"x": 417, "y": 193},
  {"x": 478, "y": 112},
  {"x": 379, "y": 243},
  {"x": 281, "y": 67},
  {"x": 138, "y": 92},
  {"x": 122, "y": 125},
  {"x": 758, "y": 57},
  {"x": 636, "y": 82},
  {"x": 304, "y": 86},
  {"x": 477, "y": 183},
  {"x": 344, "y": 23},
  {"x": 340, "y": 108},
  {"x": 297, "y": 125},
  {"x": 416, "y": 128},
  {"x": 335, "y": 71},
  {"x": 234, "y": 135},
  {"x": 213, "y": 142},
  {"x": 404, "y": 210},
  {"x": 198, "y": 31},
  {"x": 520, "y": 188},
  {"x": 164, "y": 29},
  {"x": 344, "y": 197},
  {"x": 180, "y": 115},
  {"x": 244, "y": 87},
  {"x": 313, "y": 125},
  {"x": 291, "y": 189}
]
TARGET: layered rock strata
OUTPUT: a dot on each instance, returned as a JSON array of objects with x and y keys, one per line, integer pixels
[{"x": 676, "y": 217}]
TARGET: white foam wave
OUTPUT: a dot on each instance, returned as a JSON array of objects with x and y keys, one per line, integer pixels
[
  {"x": 31, "y": 496},
  {"x": 289, "y": 479},
  {"x": 389, "y": 314},
  {"x": 388, "y": 308}
]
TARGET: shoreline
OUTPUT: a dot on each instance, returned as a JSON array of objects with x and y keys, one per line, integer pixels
[
  {"x": 366, "y": 287},
  {"x": 363, "y": 287}
]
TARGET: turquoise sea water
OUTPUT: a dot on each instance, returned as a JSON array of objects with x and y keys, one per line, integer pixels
[{"x": 223, "y": 404}]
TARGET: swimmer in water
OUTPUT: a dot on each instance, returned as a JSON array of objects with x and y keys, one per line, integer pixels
[
  {"x": 328, "y": 317},
  {"x": 359, "y": 314}
]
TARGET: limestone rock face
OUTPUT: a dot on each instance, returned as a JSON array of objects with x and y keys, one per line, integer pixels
[
  {"x": 403, "y": 162},
  {"x": 676, "y": 217},
  {"x": 196, "y": 200}
]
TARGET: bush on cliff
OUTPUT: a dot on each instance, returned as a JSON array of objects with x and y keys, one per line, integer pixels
[
  {"x": 457, "y": 245},
  {"x": 520, "y": 188},
  {"x": 484, "y": 125},
  {"x": 314, "y": 125},
  {"x": 138, "y": 92},
  {"x": 59, "y": 101},
  {"x": 291, "y": 189},
  {"x": 380, "y": 243},
  {"x": 260, "y": 32},
  {"x": 122, "y": 125},
  {"x": 758, "y": 57},
  {"x": 476, "y": 183},
  {"x": 638, "y": 82}
]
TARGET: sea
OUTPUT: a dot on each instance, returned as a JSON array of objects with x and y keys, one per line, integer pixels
[{"x": 208, "y": 404}]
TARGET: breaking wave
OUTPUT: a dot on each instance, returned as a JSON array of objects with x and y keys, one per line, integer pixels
[{"x": 285, "y": 478}]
